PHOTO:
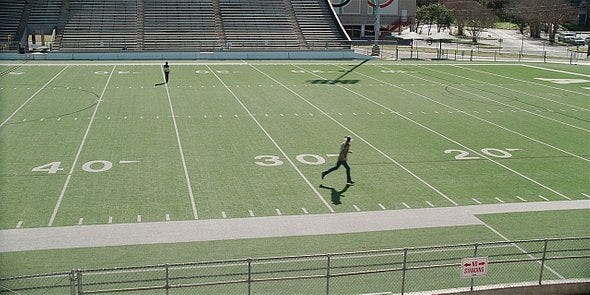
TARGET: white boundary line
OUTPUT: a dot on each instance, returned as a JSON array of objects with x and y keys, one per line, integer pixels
[
  {"x": 446, "y": 137},
  {"x": 75, "y": 163},
  {"x": 522, "y": 250},
  {"x": 557, "y": 71},
  {"x": 184, "y": 167},
  {"x": 358, "y": 136},
  {"x": 523, "y": 81},
  {"x": 498, "y": 102},
  {"x": 32, "y": 96},
  {"x": 317, "y": 193}
]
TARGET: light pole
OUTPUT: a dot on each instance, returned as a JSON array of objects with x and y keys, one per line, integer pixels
[{"x": 377, "y": 28}]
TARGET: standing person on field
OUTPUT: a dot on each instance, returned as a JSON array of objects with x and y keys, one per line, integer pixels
[
  {"x": 166, "y": 68},
  {"x": 342, "y": 157}
]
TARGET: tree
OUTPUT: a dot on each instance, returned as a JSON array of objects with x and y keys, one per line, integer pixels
[
  {"x": 434, "y": 14},
  {"x": 470, "y": 15},
  {"x": 542, "y": 13}
]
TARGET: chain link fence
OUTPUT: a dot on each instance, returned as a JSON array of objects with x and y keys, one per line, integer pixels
[
  {"x": 420, "y": 50},
  {"x": 523, "y": 262}
]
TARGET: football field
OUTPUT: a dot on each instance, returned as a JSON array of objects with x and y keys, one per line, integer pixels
[{"x": 93, "y": 143}]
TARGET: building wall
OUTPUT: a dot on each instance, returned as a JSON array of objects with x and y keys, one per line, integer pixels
[{"x": 358, "y": 17}]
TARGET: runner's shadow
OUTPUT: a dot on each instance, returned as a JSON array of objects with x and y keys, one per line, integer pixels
[
  {"x": 159, "y": 84},
  {"x": 336, "y": 195}
]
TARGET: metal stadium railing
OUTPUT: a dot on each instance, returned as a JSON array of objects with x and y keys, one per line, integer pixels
[{"x": 523, "y": 262}]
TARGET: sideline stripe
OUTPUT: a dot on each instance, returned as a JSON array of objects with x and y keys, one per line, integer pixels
[
  {"x": 188, "y": 180},
  {"x": 32, "y": 96},
  {"x": 317, "y": 193},
  {"x": 522, "y": 250},
  {"x": 75, "y": 163},
  {"x": 558, "y": 71}
]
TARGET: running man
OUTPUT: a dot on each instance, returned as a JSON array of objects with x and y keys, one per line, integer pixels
[
  {"x": 342, "y": 157},
  {"x": 166, "y": 71}
]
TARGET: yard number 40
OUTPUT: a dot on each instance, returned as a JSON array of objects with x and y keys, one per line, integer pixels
[{"x": 91, "y": 166}]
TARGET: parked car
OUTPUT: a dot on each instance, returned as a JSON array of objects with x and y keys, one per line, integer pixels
[
  {"x": 566, "y": 36},
  {"x": 577, "y": 41}
]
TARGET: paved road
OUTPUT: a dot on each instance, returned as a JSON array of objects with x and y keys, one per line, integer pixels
[{"x": 83, "y": 236}]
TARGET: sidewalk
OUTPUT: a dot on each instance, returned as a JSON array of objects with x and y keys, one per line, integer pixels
[{"x": 84, "y": 236}]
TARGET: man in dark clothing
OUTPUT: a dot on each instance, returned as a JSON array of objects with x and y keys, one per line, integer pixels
[
  {"x": 342, "y": 157},
  {"x": 166, "y": 71}
]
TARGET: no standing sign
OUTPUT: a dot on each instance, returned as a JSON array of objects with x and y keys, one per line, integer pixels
[{"x": 474, "y": 267}]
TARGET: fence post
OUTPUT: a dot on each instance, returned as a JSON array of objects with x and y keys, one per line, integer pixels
[
  {"x": 404, "y": 270},
  {"x": 73, "y": 282},
  {"x": 249, "y": 276},
  {"x": 544, "y": 56},
  {"x": 474, "y": 255},
  {"x": 328, "y": 274},
  {"x": 543, "y": 262},
  {"x": 167, "y": 278},
  {"x": 79, "y": 281}
]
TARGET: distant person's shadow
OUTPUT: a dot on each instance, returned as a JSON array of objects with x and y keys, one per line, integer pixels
[
  {"x": 336, "y": 194},
  {"x": 159, "y": 84}
]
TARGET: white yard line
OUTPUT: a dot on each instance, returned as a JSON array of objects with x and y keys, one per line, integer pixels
[
  {"x": 184, "y": 167},
  {"x": 523, "y": 81},
  {"x": 522, "y": 250},
  {"x": 317, "y": 193},
  {"x": 492, "y": 123},
  {"x": 75, "y": 162},
  {"x": 493, "y": 100},
  {"x": 521, "y": 92},
  {"x": 32, "y": 96},
  {"x": 359, "y": 137},
  {"x": 448, "y": 138}
]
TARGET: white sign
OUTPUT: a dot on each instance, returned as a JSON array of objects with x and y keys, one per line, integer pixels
[{"x": 474, "y": 267}]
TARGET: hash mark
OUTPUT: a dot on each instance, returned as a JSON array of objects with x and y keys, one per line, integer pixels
[
  {"x": 223, "y": 214},
  {"x": 278, "y": 212},
  {"x": 476, "y": 200},
  {"x": 110, "y": 219},
  {"x": 406, "y": 205},
  {"x": 80, "y": 221},
  {"x": 381, "y": 206},
  {"x": 138, "y": 218},
  {"x": 499, "y": 200},
  {"x": 251, "y": 213},
  {"x": 356, "y": 208},
  {"x": 19, "y": 224},
  {"x": 586, "y": 195},
  {"x": 304, "y": 211},
  {"x": 524, "y": 200},
  {"x": 543, "y": 198},
  {"x": 167, "y": 217},
  {"x": 429, "y": 204}
]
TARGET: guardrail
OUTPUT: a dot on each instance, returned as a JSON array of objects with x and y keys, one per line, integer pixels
[{"x": 528, "y": 262}]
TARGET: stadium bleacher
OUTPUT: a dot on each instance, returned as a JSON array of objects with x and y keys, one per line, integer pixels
[
  {"x": 100, "y": 25},
  {"x": 177, "y": 25},
  {"x": 11, "y": 12}
]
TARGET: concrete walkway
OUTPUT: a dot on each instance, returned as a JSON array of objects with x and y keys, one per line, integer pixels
[{"x": 83, "y": 236}]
